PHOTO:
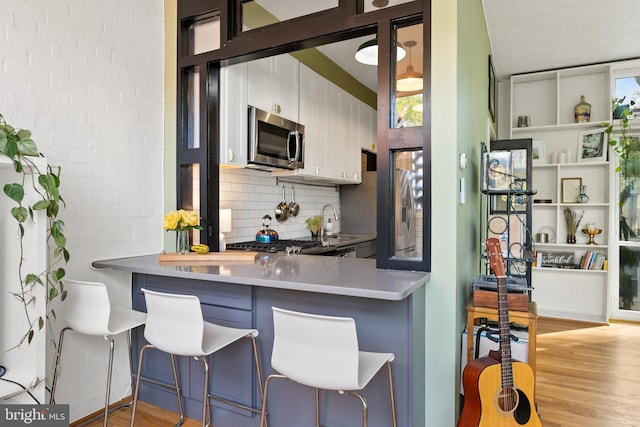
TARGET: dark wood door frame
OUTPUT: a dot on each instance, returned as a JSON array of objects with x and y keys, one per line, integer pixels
[{"x": 340, "y": 23}]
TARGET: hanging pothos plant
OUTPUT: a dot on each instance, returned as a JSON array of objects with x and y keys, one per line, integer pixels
[
  {"x": 628, "y": 149},
  {"x": 18, "y": 146}
]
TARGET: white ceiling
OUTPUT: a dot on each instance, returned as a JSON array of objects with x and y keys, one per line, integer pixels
[
  {"x": 539, "y": 35},
  {"x": 525, "y": 36}
]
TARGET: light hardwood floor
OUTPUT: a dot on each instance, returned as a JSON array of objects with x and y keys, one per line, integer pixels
[
  {"x": 146, "y": 416},
  {"x": 588, "y": 375}
]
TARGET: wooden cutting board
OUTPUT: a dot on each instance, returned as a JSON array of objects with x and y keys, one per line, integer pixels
[{"x": 193, "y": 257}]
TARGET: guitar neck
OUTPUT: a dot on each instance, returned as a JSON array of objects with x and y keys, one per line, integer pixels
[
  {"x": 498, "y": 266},
  {"x": 505, "y": 333}
]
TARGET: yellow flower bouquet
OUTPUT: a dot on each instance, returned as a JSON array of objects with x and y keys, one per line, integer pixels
[{"x": 182, "y": 221}]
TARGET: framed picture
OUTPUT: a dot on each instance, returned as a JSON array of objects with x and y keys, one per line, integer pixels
[
  {"x": 592, "y": 145},
  {"x": 492, "y": 89},
  {"x": 538, "y": 153},
  {"x": 497, "y": 170},
  {"x": 571, "y": 189}
]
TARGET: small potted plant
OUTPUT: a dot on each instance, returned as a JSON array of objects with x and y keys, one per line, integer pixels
[{"x": 314, "y": 224}]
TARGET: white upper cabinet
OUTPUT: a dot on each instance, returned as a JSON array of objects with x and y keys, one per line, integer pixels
[
  {"x": 367, "y": 120},
  {"x": 315, "y": 117},
  {"x": 332, "y": 132},
  {"x": 337, "y": 125},
  {"x": 273, "y": 85},
  {"x": 233, "y": 115}
]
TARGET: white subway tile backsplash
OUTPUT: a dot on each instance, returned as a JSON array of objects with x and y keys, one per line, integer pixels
[{"x": 251, "y": 194}]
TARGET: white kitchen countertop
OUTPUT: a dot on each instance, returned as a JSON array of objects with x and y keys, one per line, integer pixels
[{"x": 353, "y": 277}]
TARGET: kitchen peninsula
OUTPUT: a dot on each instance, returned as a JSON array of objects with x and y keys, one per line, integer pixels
[{"x": 387, "y": 305}]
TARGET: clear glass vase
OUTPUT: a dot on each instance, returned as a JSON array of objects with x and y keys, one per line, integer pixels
[{"x": 182, "y": 242}]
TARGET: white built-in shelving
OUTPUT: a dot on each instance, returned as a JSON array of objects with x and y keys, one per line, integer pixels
[{"x": 549, "y": 98}]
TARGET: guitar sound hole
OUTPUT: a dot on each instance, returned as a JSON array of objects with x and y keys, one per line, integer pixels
[
  {"x": 516, "y": 403},
  {"x": 508, "y": 400}
]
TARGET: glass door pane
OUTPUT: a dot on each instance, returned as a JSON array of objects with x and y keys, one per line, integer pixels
[
  {"x": 409, "y": 83},
  {"x": 408, "y": 193},
  {"x": 628, "y": 272}
]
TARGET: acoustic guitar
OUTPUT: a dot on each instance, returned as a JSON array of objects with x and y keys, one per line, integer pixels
[{"x": 498, "y": 390}]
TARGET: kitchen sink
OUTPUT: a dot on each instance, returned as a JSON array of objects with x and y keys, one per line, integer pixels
[
  {"x": 343, "y": 236},
  {"x": 344, "y": 239}
]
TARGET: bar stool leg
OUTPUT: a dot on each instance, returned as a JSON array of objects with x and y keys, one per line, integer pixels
[
  {"x": 206, "y": 412},
  {"x": 258, "y": 370},
  {"x": 109, "y": 372},
  {"x": 365, "y": 411},
  {"x": 130, "y": 365},
  {"x": 317, "y": 392},
  {"x": 137, "y": 389},
  {"x": 178, "y": 392},
  {"x": 263, "y": 412},
  {"x": 392, "y": 396},
  {"x": 56, "y": 366}
]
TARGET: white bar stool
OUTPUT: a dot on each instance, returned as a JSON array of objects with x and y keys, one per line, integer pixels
[
  {"x": 87, "y": 310},
  {"x": 322, "y": 352},
  {"x": 176, "y": 326}
]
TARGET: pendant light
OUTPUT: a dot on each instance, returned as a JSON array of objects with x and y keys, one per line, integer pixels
[
  {"x": 367, "y": 53},
  {"x": 410, "y": 80}
]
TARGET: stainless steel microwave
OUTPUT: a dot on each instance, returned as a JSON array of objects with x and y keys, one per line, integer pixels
[{"x": 275, "y": 141}]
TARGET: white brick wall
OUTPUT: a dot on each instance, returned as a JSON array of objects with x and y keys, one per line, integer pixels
[
  {"x": 251, "y": 194},
  {"x": 87, "y": 78}
]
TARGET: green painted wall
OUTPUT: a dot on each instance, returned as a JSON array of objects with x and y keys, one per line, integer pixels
[{"x": 459, "y": 123}]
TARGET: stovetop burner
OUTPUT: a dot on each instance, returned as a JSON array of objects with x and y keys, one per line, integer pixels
[{"x": 277, "y": 246}]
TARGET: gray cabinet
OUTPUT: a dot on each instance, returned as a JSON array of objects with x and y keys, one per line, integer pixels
[{"x": 232, "y": 373}]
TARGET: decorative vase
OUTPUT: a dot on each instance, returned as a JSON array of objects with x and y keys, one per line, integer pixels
[
  {"x": 571, "y": 238},
  {"x": 582, "y": 111},
  {"x": 582, "y": 197},
  {"x": 182, "y": 242}
]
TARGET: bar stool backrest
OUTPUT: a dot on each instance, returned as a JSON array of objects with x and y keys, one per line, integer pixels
[
  {"x": 315, "y": 350},
  {"x": 87, "y": 308},
  {"x": 174, "y": 323}
]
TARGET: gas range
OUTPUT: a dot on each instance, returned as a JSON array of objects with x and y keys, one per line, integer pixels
[{"x": 277, "y": 246}]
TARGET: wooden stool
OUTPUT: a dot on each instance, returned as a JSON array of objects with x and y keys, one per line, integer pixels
[{"x": 529, "y": 318}]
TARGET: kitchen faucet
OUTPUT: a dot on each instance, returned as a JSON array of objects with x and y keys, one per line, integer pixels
[{"x": 335, "y": 216}]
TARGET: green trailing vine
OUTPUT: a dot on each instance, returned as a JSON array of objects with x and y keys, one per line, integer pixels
[
  {"x": 621, "y": 146},
  {"x": 627, "y": 148},
  {"x": 18, "y": 146}
]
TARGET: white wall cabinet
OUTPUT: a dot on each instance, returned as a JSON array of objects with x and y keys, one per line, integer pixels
[
  {"x": 273, "y": 85},
  {"x": 234, "y": 115},
  {"x": 337, "y": 125},
  {"x": 334, "y": 132},
  {"x": 368, "y": 119},
  {"x": 549, "y": 98}
]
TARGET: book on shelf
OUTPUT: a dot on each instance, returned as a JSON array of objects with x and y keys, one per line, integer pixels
[{"x": 593, "y": 260}]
